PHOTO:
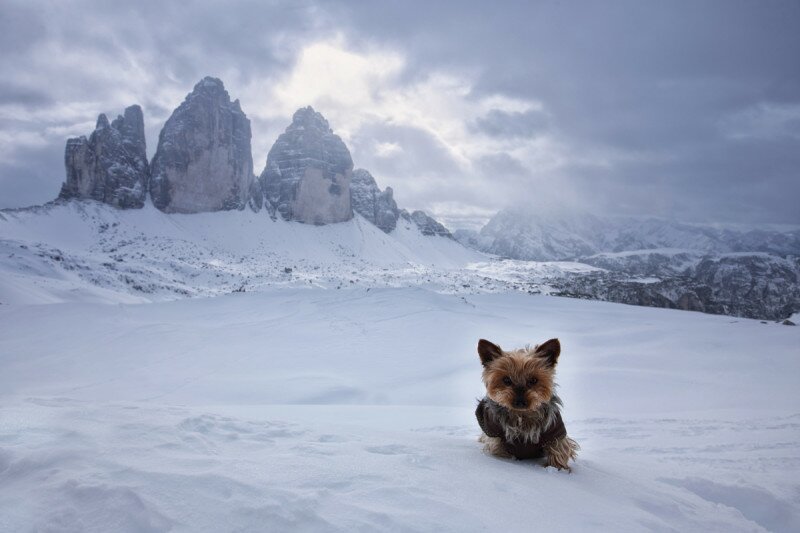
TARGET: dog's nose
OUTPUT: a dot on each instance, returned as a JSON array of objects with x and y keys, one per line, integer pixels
[{"x": 520, "y": 402}]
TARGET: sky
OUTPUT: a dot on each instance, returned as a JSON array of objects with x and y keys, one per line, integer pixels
[{"x": 684, "y": 109}]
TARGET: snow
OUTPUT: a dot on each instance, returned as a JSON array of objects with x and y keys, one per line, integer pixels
[
  {"x": 650, "y": 251},
  {"x": 311, "y": 403},
  {"x": 352, "y": 410},
  {"x": 86, "y": 251}
]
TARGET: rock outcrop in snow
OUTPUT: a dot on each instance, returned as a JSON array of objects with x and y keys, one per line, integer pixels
[
  {"x": 754, "y": 285},
  {"x": 373, "y": 204},
  {"x": 427, "y": 225},
  {"x": 308, "y": 172},
  {"x": 111, "y": 165},
  {"x": 203, "y": 161}
]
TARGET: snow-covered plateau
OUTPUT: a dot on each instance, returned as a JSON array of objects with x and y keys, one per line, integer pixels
[{"x": 227, "y": 372}]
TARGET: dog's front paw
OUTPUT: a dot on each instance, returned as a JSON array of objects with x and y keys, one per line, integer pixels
[
  {"x": 494, "y": 446},
  {"x": 561, "y": 452}
]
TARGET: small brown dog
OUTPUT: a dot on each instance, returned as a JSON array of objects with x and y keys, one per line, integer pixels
[{"x": 521, "y": 414}]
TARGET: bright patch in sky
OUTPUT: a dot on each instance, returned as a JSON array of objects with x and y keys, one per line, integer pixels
[{"x": 412, "y": 133}]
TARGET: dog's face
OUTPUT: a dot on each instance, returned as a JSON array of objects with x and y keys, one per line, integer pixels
[{"x": 520, "y": 380}]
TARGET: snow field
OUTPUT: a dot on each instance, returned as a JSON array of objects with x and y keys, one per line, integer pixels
[{"x": 298, "y": 409}]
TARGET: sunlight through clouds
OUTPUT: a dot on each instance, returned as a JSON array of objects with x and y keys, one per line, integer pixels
[{"x": 384, "y": 117}]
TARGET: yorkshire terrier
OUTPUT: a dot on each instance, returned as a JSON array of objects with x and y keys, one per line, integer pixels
[{"x": 521, "y": 413}]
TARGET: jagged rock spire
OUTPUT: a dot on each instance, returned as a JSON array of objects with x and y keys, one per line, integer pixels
[
  {"x": 203, "y": 161},
  {"x": 111, "y": 165},
  {"x": 308, "y": 171},
  {"x": 373, "y": 204}
]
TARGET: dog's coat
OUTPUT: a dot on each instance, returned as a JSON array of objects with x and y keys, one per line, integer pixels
[{"x": 524, "y": 437}]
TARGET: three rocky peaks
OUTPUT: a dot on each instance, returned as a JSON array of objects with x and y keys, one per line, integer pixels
[{"x": 203, "y": 162}]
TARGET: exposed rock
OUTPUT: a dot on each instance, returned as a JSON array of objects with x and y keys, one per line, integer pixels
[
  {"x": 111, "y": 166},
  {"x": 426, "y": 224},
  {"x": 373, "y": 204},
  {"x": 203, "y": 161},
  {"x": 788, "y": 322},
  {"x": 757, "y": 285},
  {"x": 256, "y": 197},
  {"x": 308, "y": 172},
  {"x": 647, "y": 263}
]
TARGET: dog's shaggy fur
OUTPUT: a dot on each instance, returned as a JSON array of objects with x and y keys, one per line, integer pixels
[{"x": 521, "y": 400}]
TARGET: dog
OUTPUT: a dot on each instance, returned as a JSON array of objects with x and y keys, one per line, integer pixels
[{"x": 520, "y": 416}]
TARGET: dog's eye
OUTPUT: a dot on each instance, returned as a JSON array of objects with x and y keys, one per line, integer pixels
[
  {"x": 532, "y": 382},
  {"x": 507, "y": 381}
]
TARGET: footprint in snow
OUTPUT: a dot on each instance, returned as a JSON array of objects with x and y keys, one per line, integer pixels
[
  {"x": 411, "y": 455},
  {"x": 391, "y": 449}
]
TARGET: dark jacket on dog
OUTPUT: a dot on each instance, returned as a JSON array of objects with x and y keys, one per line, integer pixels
[{"x": 518, "y": 447}]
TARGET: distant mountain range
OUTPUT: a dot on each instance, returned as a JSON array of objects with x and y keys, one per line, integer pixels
[
  {"x": 535, "y": 236},
  {"x": 752, "y": 272}
]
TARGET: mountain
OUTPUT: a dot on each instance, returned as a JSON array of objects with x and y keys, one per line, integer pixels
[
  {"x": 755, "y": 285},
  {"x": 538, "y": 236},
  {"x": 89, "y": 251},
  {"x": 373, "y": 204},
  {"x": 749, "y": 272},
  {"x": 308, "y": 171},
  {"x": 111, "y": 165},
  {"x": 203, "y": 161}
]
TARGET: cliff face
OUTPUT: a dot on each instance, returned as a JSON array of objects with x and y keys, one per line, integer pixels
[
  {"x": 111, "y": 165},
  {"x": 308, "y": 172},
  {"x": 203, "y": 161}
]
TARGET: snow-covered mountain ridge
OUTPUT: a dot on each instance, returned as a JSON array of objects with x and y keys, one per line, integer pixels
[
  {"x": 561, "y": 236},
  {"x": 88, "y": 251},
  {"x": 740, "y": 271}
]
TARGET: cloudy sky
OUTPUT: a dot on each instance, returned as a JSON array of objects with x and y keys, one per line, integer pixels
[{"x": 679, "y": 109}]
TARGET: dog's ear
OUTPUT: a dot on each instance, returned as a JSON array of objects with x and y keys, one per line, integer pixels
[
  {"x": 488, "y": 351},
  {"x": 549, "y": 351}
]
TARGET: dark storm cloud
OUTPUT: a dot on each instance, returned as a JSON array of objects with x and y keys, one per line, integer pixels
[
  {"x": 670, "y": 108},
  {"x": 501, "y": 164},
  {"x": 30, "y": 171},
  {"x": 498, "y": 123},
  {"x": 20, "y": 27},
  {"x": 417, "y": 153},
  {"x": 648, "y": 80},
  {"x": 13, "y": 94}
]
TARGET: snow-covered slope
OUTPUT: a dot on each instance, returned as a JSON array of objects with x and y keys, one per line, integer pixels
[
  {"x": 351, "y": 410},
  {"x": 326, "y": 379},
  {"x": 89, "y": 251}
]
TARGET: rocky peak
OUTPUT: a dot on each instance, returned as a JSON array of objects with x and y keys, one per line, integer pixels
[
  {"x": 307, "y": 118},
  {"x": 373, "y": 204},
  {"x": 203, "y": 161},
  {"x": 308, "y": 172},
  {"x": 111, "y": 165},
  {"x": 131, "y": 126}
]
